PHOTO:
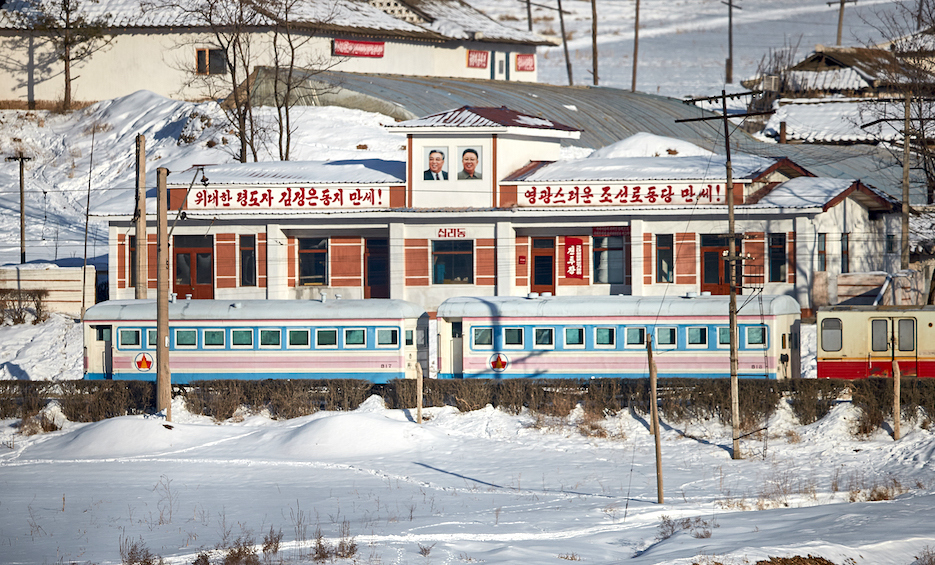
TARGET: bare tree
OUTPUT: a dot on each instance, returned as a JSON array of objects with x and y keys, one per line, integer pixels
[{"x": 72, "y": 33}]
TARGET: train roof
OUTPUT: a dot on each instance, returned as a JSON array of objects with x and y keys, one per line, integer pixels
[
  {"x": 257, "y": 310},
  {"x": 882, "y": 308},
  {"x": 596, "y": 306}
]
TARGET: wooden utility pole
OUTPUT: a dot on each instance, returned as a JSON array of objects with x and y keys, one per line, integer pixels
[
  {"x": 907, "y": 137},
  {"x": 561, "y": 22},
  {"x": 654, "y": 415},
  {"x": 142, "y": 245},
  {"x": 22, "y": 202},
  {"x": 636, "y": 44},
  {"x": 897, "y": 410},
  {"x": 594, "y": 40},
  {"x": 729, "y": 67},
  {"x": 841, "y": 15},
  {"x": 163, "y": 375},
  {"x": 529, "y": 14}
]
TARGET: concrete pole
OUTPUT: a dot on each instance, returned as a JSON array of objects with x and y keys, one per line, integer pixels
[
  {"x": 142, "y": 245},
  {"x": 163, "y": 375},
  {"x": 22, "y": 208},
  {"x": 654, "y": 414},
  {"x": 594, "y": 41},
  {"x": 907, "y": 136},
  {"x": 561, "y": 22},
  {"x": 732, "y": 265},
  {"x": 636, "y": 45}
]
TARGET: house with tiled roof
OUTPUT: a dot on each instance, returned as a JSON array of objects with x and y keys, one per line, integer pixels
[
  {"x": 484, "y": 205},
  {"x": 167, "y": 47}
]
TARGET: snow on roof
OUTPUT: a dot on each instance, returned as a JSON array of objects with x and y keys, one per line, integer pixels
[
  {"x": 348, "y": 171},
  {"x": 644, "y": 144},
  {"x": 647, "y": 168},
  {"x": 596, "y": 306},
  {"x": 812, "y": 192},
  {"x": 145, "y": 310},
  {"x": 823, "y": 121},
  {"x": 836, "y": 79},
  {"x": 476, "y": 117},
  {"x": 457, "y": 20}
]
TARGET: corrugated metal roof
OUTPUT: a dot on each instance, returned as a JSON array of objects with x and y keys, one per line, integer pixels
[{"x": 470, "y": 116}]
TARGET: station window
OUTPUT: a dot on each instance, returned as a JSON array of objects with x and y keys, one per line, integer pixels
[
  {"x": 845, "y": 253},
  {"x": 248, "y": 260},
  {"x": 604, "y": 337},
  {"x": 186, "y": 338},
  {"x": 129, "y": 338},
  {"x": 822, "y": 252},
  {"x": 635, "y": 336},
  {"x": 326, "y": 338},
  {"x": 665, "y": 268},
  {"x": 513, "y": 337},
  {"x": 214, "y": 338},
  {"x": 387, "y": 337},
  {"x": 574, "y": 337},
  {"x": 313, "y": 261},
  {"x": 831, "y": 334},
  {"x": 210, "y": 61},
  {"x": 242, "y": 338},
  {"x": 697, "y": 337},
  {"x": 777, "y": 257},
  {"x": 545, "y": 337},
  {"x": 483, "y": 337},
  {"x": 355, "y": 337},
  {"x": 298, "y": 338},
  {"x": 890, "y": 243},
  {"x": 665, "y": 337},
  {"x": 270, "y": 338},
  {"x": 453, "y": 262},
  {"x": 609, "y": 259}
]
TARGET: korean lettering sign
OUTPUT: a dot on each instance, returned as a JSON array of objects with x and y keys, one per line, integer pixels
[
  {"x": 574, "y": 258},
  {"x": 285, "y": 198},
  {"x": 477, "y": 59},
  {"x": 623, "y": 195},
  {"x": 351, "y": 48}
]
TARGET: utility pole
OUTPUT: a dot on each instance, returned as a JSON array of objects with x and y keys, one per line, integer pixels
[
  {"x": 594, "y": 40},
  {"x": 22, "y": 202},
  {"x": 729, "y": 67},
  {"x": 163, "y": 375},
  {"x": 907, "y": 136},
  {"x": 142, "y": 243},
  {"x": 561, "y": 21},
  {"x": 636, "y": 44},
  {"x": 529, "y": 14},
  {"x": 841, "y": 16},
  {"x": 732, "y": 259},
  {"x": 654, "y": 415}
]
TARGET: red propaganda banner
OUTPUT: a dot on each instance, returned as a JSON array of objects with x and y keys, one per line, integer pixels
[
  {"x": 610, "y": 231},
  {"x": 349, "y": 48},
  {"x": 574, "y": 259},
  {"x": 284, "y": 198},
  {"x": 525, "y": 62},
  {"x": 477, "y": 59}
]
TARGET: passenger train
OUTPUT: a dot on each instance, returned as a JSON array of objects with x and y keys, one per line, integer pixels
[
  {"x": 478, "y": 337},
  {"x": 856, "y": 342}
]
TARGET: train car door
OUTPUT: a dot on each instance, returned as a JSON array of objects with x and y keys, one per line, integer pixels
[
  {"x": 377, "y": 269},
  {"x": 457, "y": 350},
  {"x": 194, "y": 266},
  {"x": 104, "y": 336},
  {"x": 543, "y": 265},
  {"x": 893, "y": 339}
]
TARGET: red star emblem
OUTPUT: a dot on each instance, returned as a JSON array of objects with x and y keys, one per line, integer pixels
[
  {"x": 499, "y": 362},
  {"x": 144, "y": 362}
]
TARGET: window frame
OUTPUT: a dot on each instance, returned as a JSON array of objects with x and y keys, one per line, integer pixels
[
  {"x": 319, "y": 257},
  {"x": 613, "y": 337},
  {"x": 241, "y": 331},
  {"x": 393, "y": 345},
  {"x": 278, "y": 345},
  {"x": 154, "y": 342},
  {"x": 822, "y": 252},
  {"x": 567, "y": 345},
  {"x": 606, "y": 248},
  {"x": 675, "y": 337},
  {"x": 129, "y": 331},
  {"x": 626, "y": 337},
  {"x": 308, "y": 338},
  {"x": 547, "y": 330},
  {"x": 474, "y": 331},
  {"x": 522, "y": 335},
  {"x": 324, "y": 331},
  {"x": 175, "y": 338},
  {"x": 248, "y": 258},
  {"x": 723, "y": 344},
  {"x": 845, "y": 253},
  {"x": 346, "y": 331},
  {"x": 776, "y": 257},
  {"x": 749, "y": 329},
  {"x": 204, "y": 338},
  {"x": 665, "y": 250},
  {"x": 441, "y": 257},
  {"x": 206, "y": 65},
  {"x": 688, "y": 337}
]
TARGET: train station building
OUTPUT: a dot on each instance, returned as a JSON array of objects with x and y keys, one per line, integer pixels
[{"x": 484, "y": 205}]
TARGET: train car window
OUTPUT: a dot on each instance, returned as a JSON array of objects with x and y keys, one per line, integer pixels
[
  {"x": 513, "y": 337},
  {"x": 907, "y": 334},
  {"x": 103, "y": 333},
  {"x": 354, "y": 337},
  {"x": 879, "y": 335},
  {"x": 698, "y": 336},
  {"x": 242, "y": 338},
  {"x": 213, "y": 338},
  {"x": 456, "y": 330},
  {"x": 483, "y": 337},
  {"x": 152, "y": 337},
  {"x": 784, "y": 341},
  {"x": 298, "y": 338},
  {"x": 636, "y": 336},
  {"x": 574, "y": 337},
  {"x": 387, "y": 337},
  {"x": 831, "y": 339},
  {"x": 409, "y": 338},
  {"x": 186, "y": 338},
  {"x": 604, "y": 337},
  {"x": 545, "y": 337},
  {"x": 723, "y": 336},
  {"x": 270, "y": 338},
  {"x": 129, "y": 338},
  {"x": 756, "y": 336},
  {"x": 326, "y": 338},
  {"x": 665, "y": 337}
]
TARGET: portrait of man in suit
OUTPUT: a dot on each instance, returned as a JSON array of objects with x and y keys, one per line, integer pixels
[
  {"x": 470, "y": 161},
  {"x": 436, "y": 170}
]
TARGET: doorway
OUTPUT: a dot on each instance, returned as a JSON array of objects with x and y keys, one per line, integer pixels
[
  {"x": 543, "y": 265},
  {"x": 715, "y": 268},
  {"x": 377, "y": 268},
  {"x": 194, "y": 266}
]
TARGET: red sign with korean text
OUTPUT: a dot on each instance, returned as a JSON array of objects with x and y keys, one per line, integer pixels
[
  {"x": 285, "y": 198},
  {"x": 574, "y": 259},
  {"x": 349, "y": 48},
  {"x": 610, "y": 231},
  {"x": 623, "y": 195},
  {"x": 477, "y": 59},
  {"x": 525, "y": 62}
]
